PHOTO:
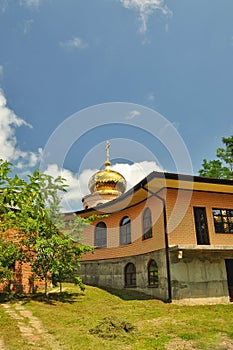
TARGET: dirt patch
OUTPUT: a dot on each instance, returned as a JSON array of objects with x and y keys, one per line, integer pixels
[
  {"x": 2, "y": 345},
  {"x": 224, "y": 343},
  {"x": 180, "y": 344}
]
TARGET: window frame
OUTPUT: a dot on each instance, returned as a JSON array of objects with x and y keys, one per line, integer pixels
[
  {"x": 125, "y": 231},
  {"x": 100, "y": 242},
  {"x": 147, "y": 224},
  {"x": 130, "y": 276},
  {"x": 153, "y": 275},
  {"x": 225, "y": 225}
]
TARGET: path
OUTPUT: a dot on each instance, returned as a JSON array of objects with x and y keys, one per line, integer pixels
[{"x": 30, "y": 328}]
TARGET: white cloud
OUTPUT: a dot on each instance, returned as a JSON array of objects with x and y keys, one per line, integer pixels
[
  {"x": 78, "y": 185},
  {"x": 151, "y": 96},
  {"x": 145, "y": 9},
  {"x": 132, "y": 114},
  {"x": 135, "y": 172},
  {"x": 9, "y": 149},
  {"x": 27, "y": 25},
  {"x": 32, "y": 4},
  {"x": 74, "y": 43}
]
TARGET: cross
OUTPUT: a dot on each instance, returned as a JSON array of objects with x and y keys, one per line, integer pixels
[{"x": 107, "y": 151}]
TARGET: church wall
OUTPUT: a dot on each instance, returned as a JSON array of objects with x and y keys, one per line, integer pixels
[
  {"x": 138, "y": 245},
  {"x": 194, "y": 279},
  {"x": 110, "y": 273},
  {"x": 185, "y": 232},
  {"x": 199, "y": 279}
]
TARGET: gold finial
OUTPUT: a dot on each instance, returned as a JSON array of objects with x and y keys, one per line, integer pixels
[{"x": 107, "y": 163}]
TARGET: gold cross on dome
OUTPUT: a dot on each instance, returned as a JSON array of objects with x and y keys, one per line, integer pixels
[{"x": 107, "y": 151}]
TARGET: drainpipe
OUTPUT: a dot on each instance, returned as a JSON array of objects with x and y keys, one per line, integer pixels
[{"x": 169, "y": 289}]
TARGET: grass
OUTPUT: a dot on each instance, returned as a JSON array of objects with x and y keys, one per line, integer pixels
[{"x": 99, "y": 319}]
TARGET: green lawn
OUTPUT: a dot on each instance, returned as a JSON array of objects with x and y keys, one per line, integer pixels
[{"x": 97, "y": 319}]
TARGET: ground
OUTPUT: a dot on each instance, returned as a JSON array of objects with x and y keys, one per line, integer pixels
[{"x": 99, "y": 319}]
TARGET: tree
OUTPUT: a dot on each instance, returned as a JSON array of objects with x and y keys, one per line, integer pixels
[
  {"x": 8, "y": 256},
  {"x": 42, "y": 236},
  {"x": 222, "y": 167}
]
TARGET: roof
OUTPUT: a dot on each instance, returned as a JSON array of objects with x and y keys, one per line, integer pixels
[{"x": 155, "y": 182}]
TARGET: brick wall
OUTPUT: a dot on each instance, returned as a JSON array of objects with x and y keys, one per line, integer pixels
[{"x": 181, "y": 225}]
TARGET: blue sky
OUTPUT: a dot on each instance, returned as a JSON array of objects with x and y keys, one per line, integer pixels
[{"x": 60, "y": 57}]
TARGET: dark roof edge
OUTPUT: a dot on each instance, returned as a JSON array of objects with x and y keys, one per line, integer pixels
[
  {"x": 156, "y": 174},
  {"x": 184, "y": 177}
]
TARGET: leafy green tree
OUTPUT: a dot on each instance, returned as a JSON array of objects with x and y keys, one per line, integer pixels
[
  {"x": 44, "y": 238},
  {"x": 222, "y": 167},
  {"x": 8, "y": 256}
]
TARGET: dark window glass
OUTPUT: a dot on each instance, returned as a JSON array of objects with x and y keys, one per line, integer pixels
[
  {"x": 153, "y": 277},
  {"x": 202, "y": 233},
  {"x": 223, "y": 220},
  {"x": 147, "y": 224},
  {"x": 130, "y": 275},
  {"x": 125, "y": 231},
  {"x": 100, "y": 235}
]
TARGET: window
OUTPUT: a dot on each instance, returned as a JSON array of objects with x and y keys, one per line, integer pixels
[
  {"x": 147, "y": 224},
  {"x": 100, "y": 235},
  {"x": 153, "y": 277},
  {"x": 202, "y": 232},
  {"x": 125, "y": 231},
  {"x": 223, "y": 220},
  {"x": 130, "y": 275}
]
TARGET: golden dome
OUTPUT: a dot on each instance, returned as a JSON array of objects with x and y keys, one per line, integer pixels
[{"x": 107, "y": 180}]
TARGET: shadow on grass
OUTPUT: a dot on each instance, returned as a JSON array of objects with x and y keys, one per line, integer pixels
[
  {"x": 51, "y": 299},
  {"x": 126, "y": 294}
]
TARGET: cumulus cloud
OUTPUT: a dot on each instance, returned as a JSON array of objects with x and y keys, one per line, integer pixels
[
  {"x": 32, "y": 4},
  {"x": 133, "y": 114},
  {"x": 146, "y": 8},
  {"x": 74, "y": 43},
  {"x": 135, "y": 172},
  {"x": 78, "y": 185},
  {"x": 26, "y": 26},
  {"x": 9, "y": 149}
]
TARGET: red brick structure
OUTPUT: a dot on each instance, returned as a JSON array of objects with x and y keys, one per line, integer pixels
[{"x": 22, "y": 281}]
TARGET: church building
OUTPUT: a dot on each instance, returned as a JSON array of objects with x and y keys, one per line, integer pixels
[{"x": 170, "y": 236}]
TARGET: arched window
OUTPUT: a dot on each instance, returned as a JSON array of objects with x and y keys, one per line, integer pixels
[
  {"x": 153, "y": 277},
  {"x": 146, "y": 224},
  {"x": 100, "y": 235},
  {"x": 125, "y": 231},
  {"x": 130, "y": 275}
]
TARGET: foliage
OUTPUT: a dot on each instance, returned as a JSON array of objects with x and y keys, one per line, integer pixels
[
  {"x": 44, "y": 238},
  {"x": 222, "y": 167},
  {"x": 8, "y": 255}
]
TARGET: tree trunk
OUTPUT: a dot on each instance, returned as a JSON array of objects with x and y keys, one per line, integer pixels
[
  {"x": 60, "y": 287},
  {"x": 46, "y": 286}
]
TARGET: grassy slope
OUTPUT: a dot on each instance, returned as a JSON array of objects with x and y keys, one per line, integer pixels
[{"x": 71, "y": 317}]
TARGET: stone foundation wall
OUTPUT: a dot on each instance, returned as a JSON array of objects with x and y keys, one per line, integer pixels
[
  {"x": 200, "y": 278},
  {"x": 194, "y": 279},
  {"x": 110, "y": 273}
]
